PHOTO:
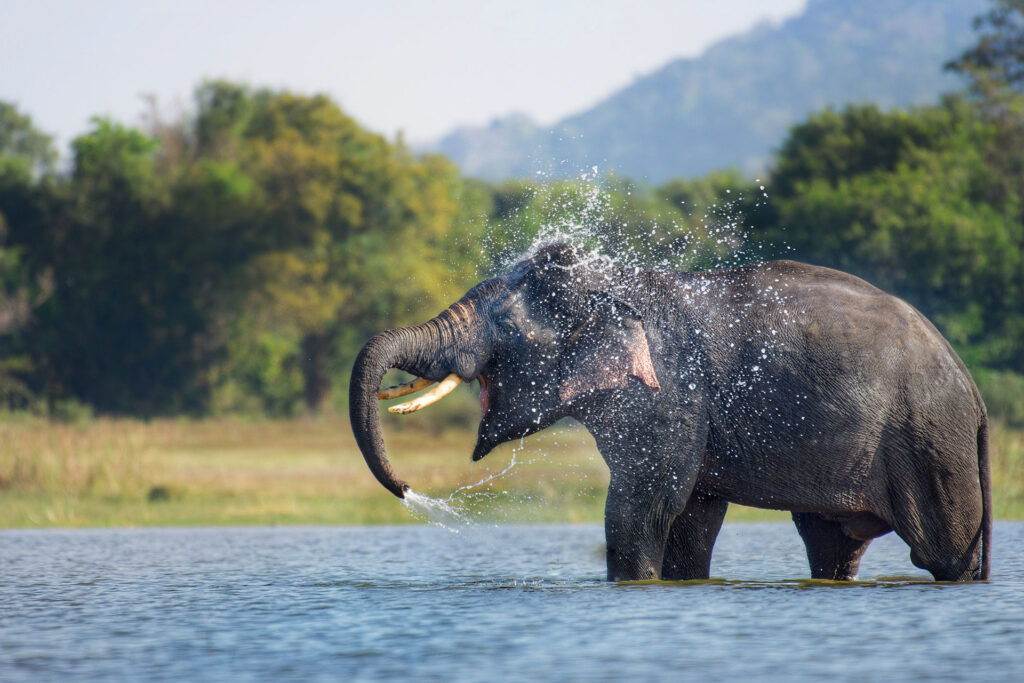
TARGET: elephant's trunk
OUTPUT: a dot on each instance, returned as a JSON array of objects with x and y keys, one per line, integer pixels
[
  {"x": 378, "y": 356},
  {"x": 432, "y": 350}
]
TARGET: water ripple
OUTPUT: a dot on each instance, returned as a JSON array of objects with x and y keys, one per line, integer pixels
[{"x": 510, "y": 602}]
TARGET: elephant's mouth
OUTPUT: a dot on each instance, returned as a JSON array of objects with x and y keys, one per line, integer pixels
[
  {"x": 485, "y": 395},
  {"x": 487, "y": 439}
]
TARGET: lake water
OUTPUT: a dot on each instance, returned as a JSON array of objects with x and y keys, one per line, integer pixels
[{"x": 507, "y": 602}]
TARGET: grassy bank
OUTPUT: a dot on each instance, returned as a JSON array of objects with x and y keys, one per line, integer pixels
[{"x": 230, "y": 471}]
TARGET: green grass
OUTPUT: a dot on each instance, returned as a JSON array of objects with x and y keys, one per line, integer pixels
[
  {"x": 1006, "y": 446},
  {"x": 125, "y": 472}
]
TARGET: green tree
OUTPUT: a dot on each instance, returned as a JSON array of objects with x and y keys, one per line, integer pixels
[
  {"x": 997, "y": 59},
  {"x": 911, "y": 201},
  {"x": 24, "y": 151},
  {"x": 19, "y": 296},
  {"x": 354, "y": 234},
  {"x": 107, "y": 251},
  {"x": 994, "y": 70},
  {"x": 26, "y": 188},
  {"x": 235, "y": 259}
]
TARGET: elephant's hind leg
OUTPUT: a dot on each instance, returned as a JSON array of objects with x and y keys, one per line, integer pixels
[
  {"x": 945, "y": 540},
  {"x": 938, "y": 511},
  {"x": 832, "y": 552},
  {"x": 692, "y": 538}
]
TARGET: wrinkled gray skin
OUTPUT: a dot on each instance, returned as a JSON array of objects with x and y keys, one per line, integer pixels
[{"x": 859, "y": 417}]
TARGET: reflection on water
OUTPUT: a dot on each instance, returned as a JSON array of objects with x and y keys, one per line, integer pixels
[{"x": 522, "y": 602}]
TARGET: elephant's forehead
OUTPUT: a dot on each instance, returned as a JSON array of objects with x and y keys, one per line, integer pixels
[{"x": 488, "y": 290}]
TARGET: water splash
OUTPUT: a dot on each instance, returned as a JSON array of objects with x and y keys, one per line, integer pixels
[
  {"x": 597, "y": 213},
  {"x": 435, "y": 511},
  {"x": 492, "y": 477},
  {"x": 456, "y": 512}
]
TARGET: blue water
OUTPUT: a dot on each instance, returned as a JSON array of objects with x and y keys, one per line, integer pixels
[{"x": 509, "y": 602}]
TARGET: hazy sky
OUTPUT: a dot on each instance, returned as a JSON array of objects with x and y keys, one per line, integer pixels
[{"x": 420, "y": 67}]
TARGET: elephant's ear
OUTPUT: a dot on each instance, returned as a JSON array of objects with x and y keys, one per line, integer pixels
[{"x": 606, "y": 349}]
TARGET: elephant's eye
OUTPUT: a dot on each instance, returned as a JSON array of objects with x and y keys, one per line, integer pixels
[{"x": 506, "y": 324}]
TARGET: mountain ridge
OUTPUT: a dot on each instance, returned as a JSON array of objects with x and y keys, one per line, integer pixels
[{"x": 732, "y": 105}]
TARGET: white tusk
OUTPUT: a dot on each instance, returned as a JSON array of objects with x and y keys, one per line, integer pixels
[
  {"x": 409, "y": 387},
  {"x": 446, "y": 387}
]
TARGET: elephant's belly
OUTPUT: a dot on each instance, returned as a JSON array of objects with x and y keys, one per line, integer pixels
[
  {"x": 821, "y": 460},
  {"x": 801, "y": 481}
]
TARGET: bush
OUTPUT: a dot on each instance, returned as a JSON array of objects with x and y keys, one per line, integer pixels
[{"x": 1004, "y": 395}]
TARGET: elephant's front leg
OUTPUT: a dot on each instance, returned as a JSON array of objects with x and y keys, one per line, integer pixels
[
  {"x": 692, "y": 538},
  {"x": 638, "y": 518},
  {"x": 654, "y": 461},
  {"x": 636, "y": 527}
]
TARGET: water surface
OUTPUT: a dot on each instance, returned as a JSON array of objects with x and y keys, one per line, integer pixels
[{"x": 510, "y": 602}]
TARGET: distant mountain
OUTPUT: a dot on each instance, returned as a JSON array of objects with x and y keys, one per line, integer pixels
[{"x": 733, "y": 105}]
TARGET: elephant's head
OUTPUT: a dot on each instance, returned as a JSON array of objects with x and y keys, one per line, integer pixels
[{"x": 542, "y": 340}]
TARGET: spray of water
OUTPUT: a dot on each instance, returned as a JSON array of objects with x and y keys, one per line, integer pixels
[
  {"x": 595, "y": 213},
  {"x": 462, "y": 508},
  {"x": 585, "y": 214},
  {"x": 435, "y": 511}
]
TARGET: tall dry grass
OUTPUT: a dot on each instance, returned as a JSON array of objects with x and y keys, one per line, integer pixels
[
  {"x": 123, "y": 472},
  {"x": 236, "y": 471},
  {"x": 1006, "y": 448}
]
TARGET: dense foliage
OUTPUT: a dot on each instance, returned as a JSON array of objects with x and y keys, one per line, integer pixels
[
  {"x": 927, "y": 203},
  {"x": 236, "y": 259},
  {"x": 913, "y": 202},
  {"x": 225, "y": 262}
]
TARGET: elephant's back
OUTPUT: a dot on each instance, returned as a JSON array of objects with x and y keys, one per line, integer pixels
[
  {"x": 841, "y": 315},
  {"x": 829, "y": 327},
  {"x": 851, "y": 311}
]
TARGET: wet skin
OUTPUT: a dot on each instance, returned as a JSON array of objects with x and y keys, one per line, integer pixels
[{"x": 777, "y": 385}]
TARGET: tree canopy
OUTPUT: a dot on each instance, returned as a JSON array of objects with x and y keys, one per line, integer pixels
[
  {"x": 228, "y": 261},
  {"x": 236, "y": 259}
]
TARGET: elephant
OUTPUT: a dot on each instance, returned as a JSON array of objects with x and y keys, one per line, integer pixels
[{"x": 777, "y": 385}]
